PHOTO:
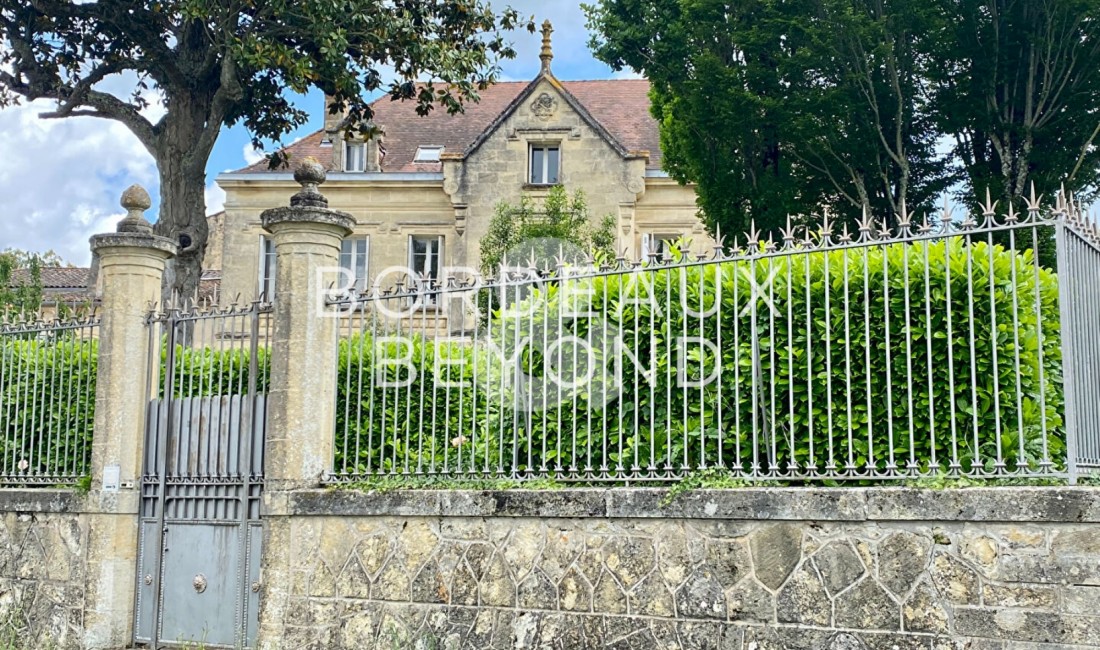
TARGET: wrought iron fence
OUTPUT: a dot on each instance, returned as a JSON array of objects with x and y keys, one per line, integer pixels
[
  {"x": 47, "y": 399},
  {"x": 1079, "y": 291},
  {"x": 207, "y": 377},
  {"x": 958, "y": 346}
]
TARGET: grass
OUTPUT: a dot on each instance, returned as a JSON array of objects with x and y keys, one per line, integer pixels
[
  {"x": 385, "y": 484},
  {"x": 708, "y": 479},
  {"x": 14, "y": 634}
]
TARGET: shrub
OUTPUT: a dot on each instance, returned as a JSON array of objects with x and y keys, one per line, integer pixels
[
  {"x": 200, "y": 372},
  {"x": 783, "y": 412},
  {"x": 47, "y": 395},
  {"x": 416, "y": 424},
  {"x": 790, "y": 411},
  {"x": 559, "y": 225}
]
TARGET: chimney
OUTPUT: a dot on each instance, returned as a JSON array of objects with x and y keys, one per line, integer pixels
[
  {"x": 334, "y": 122},
  {"x": 376, "y": 151}
]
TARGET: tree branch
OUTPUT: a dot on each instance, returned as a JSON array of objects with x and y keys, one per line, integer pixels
[
  {"x": 79, "y": 91},
  {"x": 108, "y": 106},
  {"x": 228, "y": 94}
]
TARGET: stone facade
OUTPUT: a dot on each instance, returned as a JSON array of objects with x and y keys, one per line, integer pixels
[
  {"x": 455, "y": 197},
  {"x": 613, "y": 184},
  {"x": 43, "y": 540},
  {"x": 745, "y": 569},
  {"x": 388, "y": 210}
]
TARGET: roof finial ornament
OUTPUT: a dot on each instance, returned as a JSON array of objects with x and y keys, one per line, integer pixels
[{"x": 547, "y": 54}]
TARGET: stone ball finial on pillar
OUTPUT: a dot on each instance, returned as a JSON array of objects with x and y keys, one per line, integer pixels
[
  {"x": 135, "y": 200},
  {"x": 309, "y": 174}
]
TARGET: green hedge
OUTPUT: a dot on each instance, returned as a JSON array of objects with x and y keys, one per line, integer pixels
[
  {"x": 601, "y": 426},
  {"x": 699, "y": 426},
  {"x": 47, "y": 398},
  {"x": 205, "y": 371},
  {"x": 418, "y": 427}
]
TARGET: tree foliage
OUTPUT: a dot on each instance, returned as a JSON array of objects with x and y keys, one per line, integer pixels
[
  {"x": 212, "y": 63},
  {"x": 541, "y": 231},
  {"x": 20, "y": 282},
  {"x": 24, "y": 258},
  {"x": 777, "y": 107},
  {"x": 1016, "y": 86}
]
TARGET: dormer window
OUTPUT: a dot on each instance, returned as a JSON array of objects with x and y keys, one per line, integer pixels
[
  {"x": 355, "y": 156},
  {"x": 545, "y": 164},
  {"x": 428, "y": 154}
]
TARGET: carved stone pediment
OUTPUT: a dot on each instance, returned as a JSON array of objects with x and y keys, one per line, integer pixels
[{"x": 544, "y": 106}]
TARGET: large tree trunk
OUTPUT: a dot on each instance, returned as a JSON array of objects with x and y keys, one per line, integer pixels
[{"x": 181, "y": 164}]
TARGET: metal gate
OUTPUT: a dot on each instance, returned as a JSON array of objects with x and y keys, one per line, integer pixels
[{"x": 201, "y": 529}]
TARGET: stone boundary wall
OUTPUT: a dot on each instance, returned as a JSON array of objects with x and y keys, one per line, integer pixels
[
  {"x": 746, "y": 569},
  {"x": 43, "y": 541}
]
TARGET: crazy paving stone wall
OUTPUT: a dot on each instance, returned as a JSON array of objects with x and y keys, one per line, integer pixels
[
  {"x": 41, "y": 571},
  {"x": 712, "y": 576}
]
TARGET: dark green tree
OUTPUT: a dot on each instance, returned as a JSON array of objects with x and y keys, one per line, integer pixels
[
  {"x": 222, "y": 62},
  {"x": 778, "y": 107},
  {"x": 1016, "y": 85}
]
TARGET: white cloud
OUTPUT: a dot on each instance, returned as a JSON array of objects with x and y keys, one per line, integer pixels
[
  {"x": 627, "y": 73},
  {"x": 156, "y": 108},
  {"x": 252, "y": 155},
  {"x": 61, "y": 179},
  {"x": 215, "y": 198}
]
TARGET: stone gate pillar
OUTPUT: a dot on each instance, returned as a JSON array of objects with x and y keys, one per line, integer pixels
[
  {"x": 131, "y": 265},
  {"x": 302, "y": 388},
  {"x": 302, "y": 393}
]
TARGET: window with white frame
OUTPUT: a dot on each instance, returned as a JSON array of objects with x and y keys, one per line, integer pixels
[
  {"x": 353, "y": 258},
  {"x": 426, "y": 260},
  {"x": 355, "y": 156},
  {"x": 545, "y": 164},
  {"x": 267, "y": 267},
  {"x": 657, "y": 247},
  {"x": 428, "y": 154}
]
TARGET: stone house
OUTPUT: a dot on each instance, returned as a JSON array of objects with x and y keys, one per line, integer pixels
[{"x": 424, "y": 190}]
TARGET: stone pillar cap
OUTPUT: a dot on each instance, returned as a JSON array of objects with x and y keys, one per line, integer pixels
[
  {"x": 135, "y": 200},
  {"x": 134, "y": 230},
  {"x": 308, "y": 205}
]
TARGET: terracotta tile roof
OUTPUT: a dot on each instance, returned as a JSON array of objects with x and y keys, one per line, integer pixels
[
  {"x": 55, "y": 277},
  {"x": 621, "y": 106},
  {"x": 69, "y": 284}
]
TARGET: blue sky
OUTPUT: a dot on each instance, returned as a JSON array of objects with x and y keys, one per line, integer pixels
[{"x": 61, "y": 179}]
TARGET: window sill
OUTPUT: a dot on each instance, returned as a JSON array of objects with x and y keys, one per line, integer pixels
[{"x": 540, "y": 186}]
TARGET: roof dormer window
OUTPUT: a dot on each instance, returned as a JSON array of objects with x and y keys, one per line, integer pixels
[
  {"x": 428, "y": 154},
  {"x": 355, "y": 156}
]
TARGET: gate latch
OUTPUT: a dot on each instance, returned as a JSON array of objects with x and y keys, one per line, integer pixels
[{"x": 199, "y": 583}]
